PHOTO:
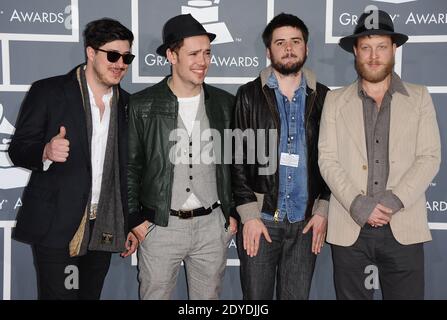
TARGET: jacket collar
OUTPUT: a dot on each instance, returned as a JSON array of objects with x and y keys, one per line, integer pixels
[
  {"x": 396, "y": 85},
  {"x": 164, "y": 83},
  {"x": 309, "y": 75}
]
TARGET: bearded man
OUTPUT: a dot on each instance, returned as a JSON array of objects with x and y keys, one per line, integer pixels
[
  {"x": 279, "y": 207},
  {"x": 379, "y": 149},
  {"x": 72, "y": 134}
]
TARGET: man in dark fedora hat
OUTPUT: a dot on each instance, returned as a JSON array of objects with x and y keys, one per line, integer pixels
[
  {"x": 379, "y": 148},
  {"x": 179, "y": 187}
]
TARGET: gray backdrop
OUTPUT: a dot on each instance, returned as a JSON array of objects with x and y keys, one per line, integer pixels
[{"x": 43, "y": 38}]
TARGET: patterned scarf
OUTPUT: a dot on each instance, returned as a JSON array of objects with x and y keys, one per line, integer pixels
[{"x": 108, "y": 230}]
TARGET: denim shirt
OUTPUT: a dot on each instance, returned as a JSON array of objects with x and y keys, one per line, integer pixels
[{"x": 292, "y": 193}]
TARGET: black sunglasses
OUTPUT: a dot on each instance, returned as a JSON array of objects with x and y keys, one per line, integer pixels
[{"x": 114, "y": 56}]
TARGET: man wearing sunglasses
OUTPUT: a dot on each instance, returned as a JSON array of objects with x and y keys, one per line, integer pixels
[{"x": 72, "y": 134}]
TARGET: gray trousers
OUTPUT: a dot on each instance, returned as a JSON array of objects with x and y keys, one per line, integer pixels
[{"x": 201, "y": 242}]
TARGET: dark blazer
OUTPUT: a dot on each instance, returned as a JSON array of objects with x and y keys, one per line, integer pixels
[{"x": 54, "y": 200}]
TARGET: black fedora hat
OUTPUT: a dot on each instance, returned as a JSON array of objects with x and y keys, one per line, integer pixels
[
  {"x": 181, "y": 27},
  {"x": 368, "y": 25}
]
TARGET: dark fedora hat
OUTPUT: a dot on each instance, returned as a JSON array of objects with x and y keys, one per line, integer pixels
[
  {"x": 181, "y": 27},
  {"x": 368, "y": 25}
]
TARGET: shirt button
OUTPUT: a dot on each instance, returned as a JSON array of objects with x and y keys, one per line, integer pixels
[
  {"x": 294, "y": 99},
  {"x": 190, "y": 177},
  {"x": 190, "y": 143},
  {"x": 187, "y": 189},
  {"x": 377, "y": 161},
  {"x": 190, "y": 165},
  {"x": 377, "y": 141},
  {"x": 376, "y": 183},
  {"x": 364, "y": 167},
  {"x": 288, "y": 196},
  {"x": 293, "y": 118},
  {"x": 291, "y": 138},
  {"x": 289, "y": 177},
  {"x": 190, "y": 155}
]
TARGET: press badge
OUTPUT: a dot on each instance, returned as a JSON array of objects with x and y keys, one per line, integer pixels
[{"x": 289, "y": 160}]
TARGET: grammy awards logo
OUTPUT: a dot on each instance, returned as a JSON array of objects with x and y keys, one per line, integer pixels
[
  {"x": 207, "y": 13},
  {"x": 10, "y": 177}
]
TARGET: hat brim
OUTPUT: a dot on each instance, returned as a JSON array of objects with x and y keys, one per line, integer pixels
[
  {"x": 347, "y": 43},
  {"x": 161, "y": 50}
]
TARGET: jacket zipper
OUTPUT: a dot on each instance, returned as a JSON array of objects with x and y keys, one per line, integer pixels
[
  {"x": 313, "y": 97},
  {"x": 171, "y": 144},
  {"x": 278, "y": 128},
  {"x": 214, "y": 127}
]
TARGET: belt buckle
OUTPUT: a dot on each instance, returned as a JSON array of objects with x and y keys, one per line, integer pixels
[
  {"x": 92, "y": 211},
  {"x": 185, "y": 214}
]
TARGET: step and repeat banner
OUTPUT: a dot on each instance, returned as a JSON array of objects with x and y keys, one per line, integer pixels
[{"x": 43, "y": 38}]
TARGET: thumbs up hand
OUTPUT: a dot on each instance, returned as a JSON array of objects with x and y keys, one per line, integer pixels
[
  {"x": 57, "y": 149},
  {"x": 62, "y": 132}
]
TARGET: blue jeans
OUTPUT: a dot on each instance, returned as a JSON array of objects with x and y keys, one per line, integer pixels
[{"x": 288, "y": 261}]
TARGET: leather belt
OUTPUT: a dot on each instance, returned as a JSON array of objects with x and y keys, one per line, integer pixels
[
  {"x": 92, "y": 211},
  {"x": 187, "y": 214}
]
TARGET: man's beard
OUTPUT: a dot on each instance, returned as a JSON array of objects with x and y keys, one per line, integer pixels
[
  {"x": 288, "y": 69},
  {"x": 372, "y": 76}
]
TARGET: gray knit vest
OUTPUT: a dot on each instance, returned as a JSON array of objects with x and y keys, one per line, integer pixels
[{"x": 193, "y": 175}]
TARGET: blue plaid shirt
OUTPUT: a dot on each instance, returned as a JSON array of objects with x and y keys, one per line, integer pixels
[{"x": 292, "y": 195}]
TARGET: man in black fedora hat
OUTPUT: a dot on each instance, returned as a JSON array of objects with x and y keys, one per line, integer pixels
[
  {"x": 379, "y": 149},
  {"x": 178, "y": 185}
]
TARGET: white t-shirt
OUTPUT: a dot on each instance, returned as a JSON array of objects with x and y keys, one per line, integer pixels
[{"x": 187, "y": 110}]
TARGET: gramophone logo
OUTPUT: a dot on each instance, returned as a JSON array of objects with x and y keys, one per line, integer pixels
[
  {"x": 207, "y": 13},
  {"x": 10, "y": 177}
]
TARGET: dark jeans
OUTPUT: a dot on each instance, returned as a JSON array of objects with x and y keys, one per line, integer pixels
[
  {"x": 288, "y": 260},
  {"x": 400, "y": 267},
  {"x": 57, "y": 273}
]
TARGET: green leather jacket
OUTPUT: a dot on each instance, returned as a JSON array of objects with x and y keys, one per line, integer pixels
[{"x": 152, "y": 116}]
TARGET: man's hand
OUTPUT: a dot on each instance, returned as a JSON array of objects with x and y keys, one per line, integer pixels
[
  {"x": 380, "y": 216},
  {"x": 131, "y": 245},
  {"x": 58, "y": 148},
  {"x": 318, "y": 224},
  {"x": 141, "y": 230},
  {"x": 233, "y": 226},
  {"x": 252, "y": 231}
]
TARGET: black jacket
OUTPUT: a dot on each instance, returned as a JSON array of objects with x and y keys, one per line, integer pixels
[
  {"x": 256, "y": 109},
  {"x": 54, "y": 200}
]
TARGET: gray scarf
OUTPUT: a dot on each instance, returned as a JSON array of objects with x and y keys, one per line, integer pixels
[{"x": 108, "y": 231}]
